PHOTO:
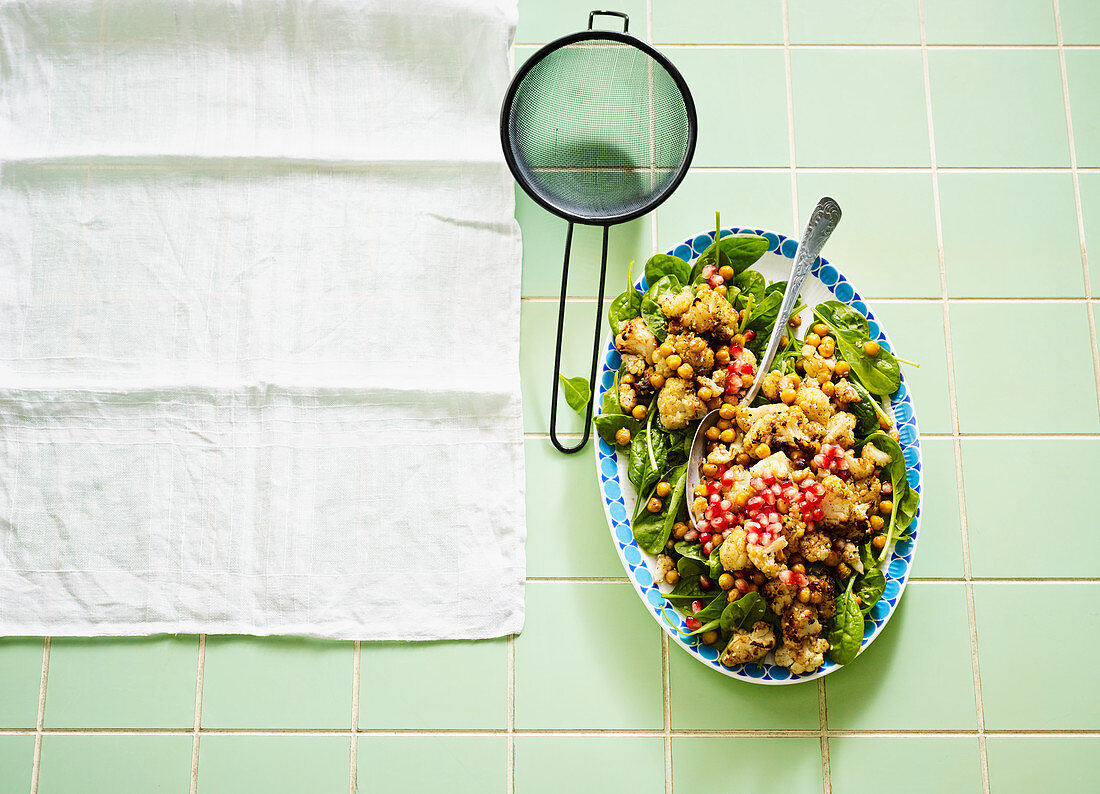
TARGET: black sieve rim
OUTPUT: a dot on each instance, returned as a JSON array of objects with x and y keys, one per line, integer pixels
[{"x": 598, "y": 35}]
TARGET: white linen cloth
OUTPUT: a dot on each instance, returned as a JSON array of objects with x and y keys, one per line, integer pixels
[{"x": 259, "y": 320}]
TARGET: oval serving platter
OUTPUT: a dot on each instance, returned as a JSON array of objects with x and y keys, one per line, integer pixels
[{"x": 825, "y": 283}]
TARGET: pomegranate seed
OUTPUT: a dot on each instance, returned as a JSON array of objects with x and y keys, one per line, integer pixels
[
  {"x": 751, "y": 526},
  {"x": 742, "y": 585},
  {"x": 775, "y": 528},
  {"x": 818, "y": 489},
  {"x": 696, "y": 606},
  {"x": 785, "y": 576},
  {"x": 746, "y": 369},
  {"x": 755, "y": 502},
  {"x": 714, "y": 498},
  {"x": 817, "y": 514},
  {"x": 725, "y": 504},
  {"x": 691, "y": 535},
  {"x": 769, "y": 497},
  {"x": 752, "y": 538},
  {"x": 729, "y": 517},
  {"x": 701, "y": 524},
  {"x": 757, "y": 483},
  {"x": 887, "y": 488},
  {"x": 733, "y": 384},
  {"x": 713, "y": 487},
  {"x": 777, "y": 489},
  {"x": 704, "y": 583},
  {"x": 704, "y": 537},
  {"x": 736, "y": 350},
  {"x": 708, "y": 548},
  {"x": 709, "y": 270},
  {"x": 718, "y": 524},
  {"x": 769, "y": 479},
  {"x": 727, "y": 478},
  {"x": 789, "y": 493},
  {"x": 693, "y": 623},
  {"x": 750, "y": 335},
  {"x": 807, "y": 484},
  {"x": 711, "y": 512},
  {"x": 716, "y": 281},
  {"x": 819, "y": 461}
]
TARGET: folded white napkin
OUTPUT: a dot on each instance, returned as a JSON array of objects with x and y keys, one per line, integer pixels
[{"x": 259, "y": 320}]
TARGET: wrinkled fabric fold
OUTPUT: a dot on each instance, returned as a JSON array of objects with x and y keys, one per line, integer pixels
[{"x": 259, "y": 320}]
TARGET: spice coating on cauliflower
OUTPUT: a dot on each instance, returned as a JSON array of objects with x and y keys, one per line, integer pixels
[
  {"x": 749, "y": 646},
  {"x": 635, "y": 337},
  {"x": 678, "y": 404}
]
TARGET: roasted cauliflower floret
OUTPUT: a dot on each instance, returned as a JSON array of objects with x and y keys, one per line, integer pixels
[
  {"x": 635, "y": 337},
  {"x": 845, "y": 394},
  {"x": 678, "y": 404},
  {"x": 803, "y": 657},
  {"x": 869, "y": 458},
  {"x": 749, "y": 646},
  {"x": 839, "y": 505},
  {"x": 816, "y": 546},
  {"x": 799, "y": 622},
  {"x": 780, "y": 595},
  {"x": 733, "y": 554},
  {"x": 664, "y": 565},
  {"x": 849, "y": 554},
  {"x": 675, "y": 305},
  {"x": 710, "y": 312},
  {"x": 634, "y": 364},
  {"x": 628, "y": 398},
  {"x": 813, "y": 402},
  {"x": 777, "y": 464},
  {"x": 840, "y": 429},
  {"x": 721, "y": 455},
  {"x": 821, "y": 369},
  {"x": 770, "y": 385},
  {"x": 765, "y": 557},
  {"x": 774, "y": 425},
  {"x": 693, "y": 351}
]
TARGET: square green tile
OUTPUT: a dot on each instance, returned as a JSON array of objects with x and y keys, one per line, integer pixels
[
  {"x": 998, "y": 108},
  {"x": 538, "y": 332},
  {"x": 115, "y": 763},
  {"x": 999, "y": 525},
  {"x": 916, "y": 329},
  {"x": 854, "y": 22},
  {"x": 705, "y": 700},
  {"x": 886, "y": 242},
  {"x": 735, "y": 130},
  {"x": 768, "y": 765},
  {"x": 939, "y": 552},
  {"x": 1082, "y": 76},
  {"x": 146, "y": 682},
  {"x": 990, "y": 388},
  {"x": 913, "y": 765},
  {"x": 989, "y": 22},
  {"x": 1026, "y": 764},
  {"x": 1090, "y": 211},
  {"x": 312, "y": 679},
  {"x": 758, "y": 199},
  {"x": 917, "y": 675},
  {"x": 1080, "y": 21},
  {"x": 16, "y": 761},
  {"x": 984, "y": 259},
  {"x": 718, "y": 22},
  {"x": 541, "y": 22},
  {"x": 21, "y": 677},
  {"x": 1016, "y": 693},
  {"x": 544, "y": 252},
  {"x": 274, "y": 764},
  {"x": 458, "y": 764},
  {"x": 870, "y": 112},
  {"x": 589, "y": 657},
  {"x": 553, "y": 764},
  {"x": 567, "y": 532},
  {"x": 405, "y": 685}
]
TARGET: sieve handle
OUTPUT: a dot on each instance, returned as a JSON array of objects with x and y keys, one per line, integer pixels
[
  {"x": 626, "y": 20},
  {"x": 595, "y": 348}
]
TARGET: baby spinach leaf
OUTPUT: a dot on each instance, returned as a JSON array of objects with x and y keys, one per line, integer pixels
[
  {"x": 867, "y": 411},
  {"x": 739, "y": 251},
  {"x": 904, "y": 499},
  {"x": 660, "y": 265},
  {"x": 652, "y": 530},
  {"x": 577, "y": 393},
  {"x": 846, "y": 631},
  {"x": 842, "y": 317},
  {"x": 750, "y": 282},
  {"x": 713, "y": 610},
  {"x": 647, "y": 459},
  {"x": 609, "y": 404},
  {"x": 743, "y": 612},
  {"x": 764, "y": 314},
  {"x": 692, "y": 551},
  {"x": 607, "y": 425},
  {"x": 880, "y": 374},
  {"x": 714, "y": 563},
  {"x": 651, "y": 310},
  {"x": 872, "y": 584},
  {"x": 626, "y": 306}
]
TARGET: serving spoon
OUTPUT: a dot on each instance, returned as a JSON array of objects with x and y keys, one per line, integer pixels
[{"x": 822, "y": 222}]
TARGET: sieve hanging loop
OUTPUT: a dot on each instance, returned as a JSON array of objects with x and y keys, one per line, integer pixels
[{"x": 598, "y": 128}]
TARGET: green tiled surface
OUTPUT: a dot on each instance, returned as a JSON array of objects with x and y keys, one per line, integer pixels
[
  {"x": 869, "y": 111},
  {"x": 987, "y": 249},
  {"x": 1000, "y": 523},
  {"x": 553, "y": 764},
  {"x": 313, "y": 679},
  {"x": 460, "y": 764},
  {"x": 274, "y": 764},
  {"x": 108, "y": 762},
  {"x": 1024, "y": 764},
  {"x": 906, "y": 766},
  {"x": 996, "y": 107},
  {"x": 401, "y": 688},
  {"x": 1019, "y": 692},
  {"x": 584, "y": 687}
]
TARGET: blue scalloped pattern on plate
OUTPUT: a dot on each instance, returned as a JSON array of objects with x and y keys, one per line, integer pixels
[{"x": 636, "y": 563}]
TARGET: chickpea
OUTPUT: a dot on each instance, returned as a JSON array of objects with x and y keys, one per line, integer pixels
[
  {"x": 714, "y": 404},
  {"x": 722, "y": 290},
  {"x": 666, "y": 349},
  {"x": 871, "y": 348},
  {"x": 885, "y": 424},
  {"x": 738, "y": 340},
  {"x": 799, "y": 365},
  {"x": 877, "y": 523},
  {"x": 627, "y": 378},
  {"x": 804, "y": 595},
  {"x": 712, "y": 433},
  {"x": 727, "y": 412},
  {"x": 656, "y": 380},
  {"x": 827, "y": 347},
  {"x": 787, "y": 396},
  {"x": 748, "y": 380},
  {"x": 654, "y": 505},
  {"x": 762, "y": 451},
  {"x": 673, "y": 361},
  {"x": 784, "y": 340},
  {"x": 757, "y": 578},
  {"x": 700, "y": 503},
  {"x": 843, "y": 571},
  {"x": 727, "y": 436},
  {"x": 820, "y": 329},
  {"x": 701, "y": 490},
  {"x": 842, "y": 369},
  {"x": 894, "y": 435},
  {"x": 813, "y": 339},
  {"x": 733, "y": 595},
  {"x": 743, "y": 459},
  {"x": 726, "y": 272},
  {"x": 663, "y": 489},
  {"x": 795, "y": 321},
  {"x": 796, "y": 381},
  {"x": 725, "y": 581},
  {"x": 709, "y": 637},
  {"x": 704, "y": 394},
  {"x": 673, "y": 576},
  {"x": 828, "y": 389},
  {"x": 709, "y": 469},
  {"x": 722, "y": 357},
  {"x": 885, "y": 506},
  {"x": 798, "y": 568},
  {"x": 815, "y": 597},
  {"x": 753, "y": 587},
  {"x": 639, "y": 412},
  {"x": 679, "y": 529},
  {"x": 832, "y": 559},
  {"x": 878, "y": 542},
  {"x": 723, "y": 424},
  {"x": 741, "y": 498},
  {"x": 622, "y": 436},
  {"x": 685, "y": 371},
  {"x": 800, "y": 475}
]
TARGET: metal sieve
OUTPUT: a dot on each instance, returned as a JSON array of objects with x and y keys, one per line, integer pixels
[{"x": 598, "y": 128}]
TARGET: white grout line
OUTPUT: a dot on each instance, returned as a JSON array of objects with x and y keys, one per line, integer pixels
[
  {"x": 953, "y": 394},
  {"x": 356, "y": 677},
  {"x": 196, "y": 727},
  {"x": 1090, "y": 313},
  {"x": 666, "y": 696},
  {"x": 38, "y": 722},
  {"x": 823, "y": 726},
  {"x": 745, "y": 46},
  {"x": 788, "y": 79},
  {"x": 510, "y": 730}
]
